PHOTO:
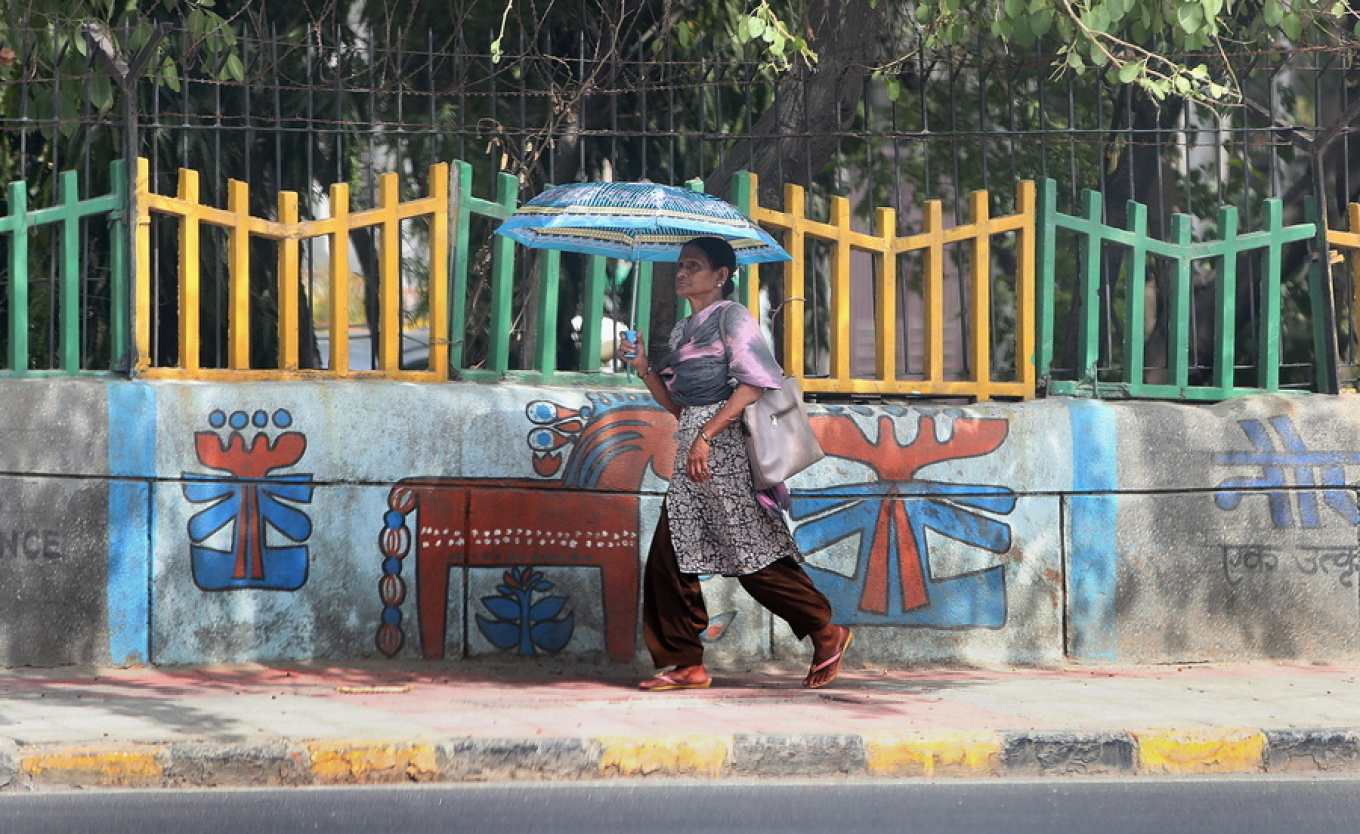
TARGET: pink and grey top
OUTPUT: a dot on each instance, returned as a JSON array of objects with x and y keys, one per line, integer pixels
[{"x": 722, "y": 342}]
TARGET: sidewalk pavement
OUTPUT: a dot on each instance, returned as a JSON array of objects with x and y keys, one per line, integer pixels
[{"x": 414, "y": 721}]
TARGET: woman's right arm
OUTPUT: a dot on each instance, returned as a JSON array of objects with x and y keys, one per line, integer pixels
[{"x": 643, "y": 366}]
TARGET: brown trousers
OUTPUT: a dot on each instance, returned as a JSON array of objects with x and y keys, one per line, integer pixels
[{"x": 673, "y": 611}]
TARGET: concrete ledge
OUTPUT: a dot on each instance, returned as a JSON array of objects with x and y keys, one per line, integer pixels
[
  {"x": 364, "y": 762},
  {"x": 797, "y": 755},
  {"x": 253, "y": 765},
  {"x": 1312, "y": 751},
  {"x": 681, "y": 755},
  {"x": 1212, "y": 750},
  {"x": 9, "y": 761},
  {"x": 137, "y": 766},
  {"x": 906, "y": 755},
  {"x": 512, "y": 759},
  {"x": 934, "y": 754},
  {"x": 1070, "y": 754}
]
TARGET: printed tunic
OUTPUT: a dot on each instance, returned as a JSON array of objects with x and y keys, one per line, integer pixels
[{"x": 718, "y": 526}]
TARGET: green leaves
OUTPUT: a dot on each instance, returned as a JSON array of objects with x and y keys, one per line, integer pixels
[
  {"x": 763, "y": 28},
  {"x": 1293, "y": 27},
  {"x": 1272, "y": 12},
  {"x": 1140, "y": 42},
  {"x": 1190, "y": 17}
]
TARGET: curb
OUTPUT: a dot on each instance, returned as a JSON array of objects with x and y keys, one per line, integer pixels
[{"x": 905, "y": 755}]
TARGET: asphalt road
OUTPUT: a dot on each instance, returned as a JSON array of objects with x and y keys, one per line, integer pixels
[{"x": 1241, "y": 805}]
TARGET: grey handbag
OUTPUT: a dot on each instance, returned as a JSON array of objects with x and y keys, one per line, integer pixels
[{"x": 779, "y": 438}]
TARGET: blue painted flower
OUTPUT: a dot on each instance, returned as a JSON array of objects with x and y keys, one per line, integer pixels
[{"x": 520, "y": 623}]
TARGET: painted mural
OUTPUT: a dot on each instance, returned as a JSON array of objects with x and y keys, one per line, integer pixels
[
  {"x": 889, "y": 514},
  {"x": 1291, "y": 478},
  {"x": 583, "y": 509},
  {"x": 1324, "y": 471},
  {"x": 249, "y": 492}
]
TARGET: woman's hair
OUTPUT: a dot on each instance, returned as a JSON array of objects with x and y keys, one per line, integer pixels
[{"x": 720, "y": 254}]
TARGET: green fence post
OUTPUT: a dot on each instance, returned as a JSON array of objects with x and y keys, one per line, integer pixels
[
  {"x": 18, "y": 278},
  {"x": 1225, "y": 310},
  {"x": 1178, "y": 350},
  {"x": 549, "y": 288},
  {"x": 460, "y": 216},
  {"x": 742, "y": 198},
  {"x": 120, "y": 334},
  {"x": 1046, "y": 228},
  {"x": 592, "y": 312},
  {"x": 502, "y": 278},
  {"x": 68, "y": 214},
  {"x": 1088, "y": 292}
]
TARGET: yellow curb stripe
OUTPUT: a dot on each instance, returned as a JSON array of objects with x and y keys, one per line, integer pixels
[
  {"x": 369, "y": 762},
  {"x": 933, "y": 754},
  {"x": 689, "y": 755},
  {"x": 94, "y": 766},
  {"x": 1201, "y": 751}
]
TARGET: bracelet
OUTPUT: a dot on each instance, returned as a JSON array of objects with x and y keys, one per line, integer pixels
[
  {"x": 645, "y": 373},
  {"x": 706, "y": 438}
]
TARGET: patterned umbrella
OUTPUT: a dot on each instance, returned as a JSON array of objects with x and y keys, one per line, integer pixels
[{"x": 634, "y": 221}]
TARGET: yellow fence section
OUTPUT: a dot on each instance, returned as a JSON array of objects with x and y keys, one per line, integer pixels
[
  {"x": 886, "y": 247},
  {"x": 289, "y": 231}
]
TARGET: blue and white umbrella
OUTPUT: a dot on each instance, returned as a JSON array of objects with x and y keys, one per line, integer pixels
[{"x": 635, "y": 221}]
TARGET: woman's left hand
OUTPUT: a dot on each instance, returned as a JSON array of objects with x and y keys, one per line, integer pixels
[
  {"x": 633, "y": 352},
  {"x": 696, "y": 465}
]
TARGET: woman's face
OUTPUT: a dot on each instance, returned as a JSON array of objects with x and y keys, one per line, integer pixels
[{"x": 695, "y": 277}]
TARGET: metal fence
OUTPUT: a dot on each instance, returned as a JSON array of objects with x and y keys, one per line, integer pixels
[
  {"x": 328, "y": 103},
  {"x": 1116, "y": 268}
]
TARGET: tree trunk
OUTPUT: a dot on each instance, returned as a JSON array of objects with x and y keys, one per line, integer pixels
[{"x": 793, "y": 140}]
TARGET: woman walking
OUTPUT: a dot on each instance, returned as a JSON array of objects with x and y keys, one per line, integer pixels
[{"x": 712, "y": 520}]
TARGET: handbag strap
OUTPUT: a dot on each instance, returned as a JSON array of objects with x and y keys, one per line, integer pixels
[{"x": 722, "y": 332}]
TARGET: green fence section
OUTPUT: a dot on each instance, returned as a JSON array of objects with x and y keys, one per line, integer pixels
[
  {"x": 73, "y": 308},
  {"x": 533, "y": 305},
  {"x": 1116, "y": 310}
]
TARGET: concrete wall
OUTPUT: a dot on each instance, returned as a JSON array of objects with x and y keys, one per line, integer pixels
[{"x": 184, "y": 523}]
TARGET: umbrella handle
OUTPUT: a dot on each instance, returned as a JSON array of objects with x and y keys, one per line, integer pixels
[
  {"x": 632, "y": 304},
  {"x": 776, "y": 311}
]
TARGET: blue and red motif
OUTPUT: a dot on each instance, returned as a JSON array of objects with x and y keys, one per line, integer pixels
[
  {"x": 254, "y": 501},
  {"x": 1312, "y": 474},
  {"x": 892, "y": 583}
]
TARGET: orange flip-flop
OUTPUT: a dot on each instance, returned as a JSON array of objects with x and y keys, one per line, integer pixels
[
  {"x": 664, "y": 682},
  {"x": 833, "y": 662}
]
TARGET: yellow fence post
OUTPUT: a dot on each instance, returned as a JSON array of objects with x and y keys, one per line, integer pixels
[
  {"x": 188, "y": 270},
  {"x": 885, "y": 351},
  {"x": 290, "y": 308},
  {"x": 841, "y": 325},
  {"x": 1026, "y": 320},
  {"x": 932, "y": 240},
  {"x": 389, "y": 273},
  {"x": 980, "y": 296},
  {"x": 339, "y": 276},
  {"x": 795, "y": 361},
  {"x": 238, "y": 276}
]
